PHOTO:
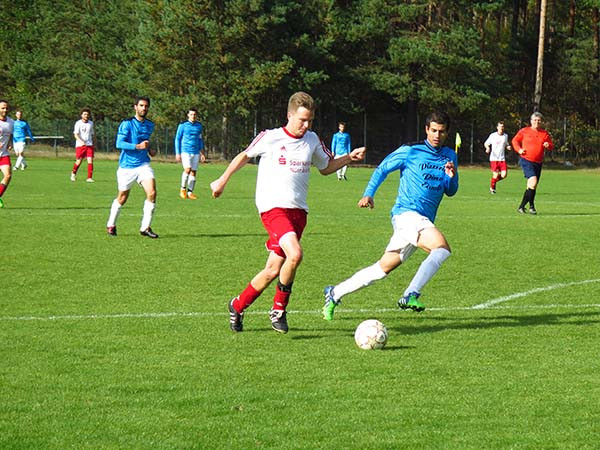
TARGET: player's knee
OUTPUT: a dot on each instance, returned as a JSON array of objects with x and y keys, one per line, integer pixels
[{"x": 294, "y": 257}]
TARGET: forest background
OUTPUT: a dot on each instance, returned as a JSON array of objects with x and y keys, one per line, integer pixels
[{"x": 379, "y": 65}]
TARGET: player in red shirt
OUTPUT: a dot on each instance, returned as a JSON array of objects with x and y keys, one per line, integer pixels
[{"x": 531, "y": 143}]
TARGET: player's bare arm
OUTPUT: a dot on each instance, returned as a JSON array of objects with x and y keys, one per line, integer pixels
[
  {"x": 355, "y": 155},
  {"x": 218, "y": 186},
  {"x": 366, "y": 202}
]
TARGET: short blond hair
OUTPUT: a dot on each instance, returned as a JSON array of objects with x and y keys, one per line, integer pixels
[{"x": 300, "y": 99}]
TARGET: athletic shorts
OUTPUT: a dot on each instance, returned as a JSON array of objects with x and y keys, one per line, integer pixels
[
  {"x": 5, "y": 160},
  {"x": 280, "y": 221},
  {"x": 498, "y": 166},
  {"x": 531, "y": 169},
  {"x": 190, "y": 160},
  {"x": 85, "y": 151},
  {"x": 19, "y": 146},
  {"x": 407, "y": 227},
  {"x": 126, "y": 177}
]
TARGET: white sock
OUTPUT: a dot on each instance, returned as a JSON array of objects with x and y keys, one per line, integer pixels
[
  {"x": 23, "y": 162},
  {"x": 427, "y": 270},
  {"x": 115, "y": 209},
  {"x": 359, "y": 280},
  {"x": 191, "y": 183},
  {"x": 148, "y": 213},
  {"x": 184, "y": 179},
  {"x": 19, "y": 160}
]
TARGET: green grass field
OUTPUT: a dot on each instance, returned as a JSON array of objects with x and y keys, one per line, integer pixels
[{"x": 124, "y": 342}]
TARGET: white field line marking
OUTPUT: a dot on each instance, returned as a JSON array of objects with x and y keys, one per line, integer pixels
[{"x": 552, "y": 287}]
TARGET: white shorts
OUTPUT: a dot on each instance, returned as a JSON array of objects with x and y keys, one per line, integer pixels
[
  {"x": 407, "y": 227},
  {"x": 126, "y": 177},
  {"x": 19, "y": 146},
  {"x": 190, "y": 160}
]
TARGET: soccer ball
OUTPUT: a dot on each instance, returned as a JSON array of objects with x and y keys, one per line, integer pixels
[{"x": 371, "y": 335}]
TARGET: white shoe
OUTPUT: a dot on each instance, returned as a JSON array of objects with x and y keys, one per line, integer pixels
[
  {"x": 73, "y": 177},
  {"x": 90, "y": 180},
  {"x": 15, "y": 168}
]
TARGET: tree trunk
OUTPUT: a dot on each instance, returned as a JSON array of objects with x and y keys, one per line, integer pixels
[
  {"x": 572, "y": 18},
  {"x": 596, "y": 31},
  {"x": 540, "y": 59}
]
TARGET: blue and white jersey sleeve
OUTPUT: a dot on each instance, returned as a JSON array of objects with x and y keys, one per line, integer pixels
[
  {"x": 394, "y": 161},
  {"x": 178, "y": 137},
  {"x": 21, "y": 131}
]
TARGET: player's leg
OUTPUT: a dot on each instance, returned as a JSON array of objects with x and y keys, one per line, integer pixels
[
  {"x": 493, "y": 181},
  {"x": 149, "y": 185},
  {"x": 78, "y": 160},
  {"x": 125, "y": 180},
  {"x": 432, "y": 241},
  {"x": 6, "y": 170},
  {"x": 90, "y": 165},
  {"x": 192, "y": 183},
  {"x": 185, "y": 162}
]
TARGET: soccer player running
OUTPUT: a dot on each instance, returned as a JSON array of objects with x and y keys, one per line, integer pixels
[
  {"x": 428, "y": 171},
  {"x": 286, "y": 155},
  {"x": 531, "y": 143},
  {"x": 133, "y": 139},
  {"x": 340, "y": 146},
  {"x": 189, "y": 147},
  {"x": 6, "y": 131},
  {"x": 84, "y": 144},
  {"x": 20, "y": 133},
  {"x": 495, "y": 145}
]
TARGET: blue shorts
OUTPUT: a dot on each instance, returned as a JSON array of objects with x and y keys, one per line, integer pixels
[{"x": 531, "y": 169}]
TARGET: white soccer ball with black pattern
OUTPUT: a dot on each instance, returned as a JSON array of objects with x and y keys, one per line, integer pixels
[{"x": 371, "y": 335}]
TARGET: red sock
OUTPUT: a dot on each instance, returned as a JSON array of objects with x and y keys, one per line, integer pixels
[
  {"x": 2, "y": 189},
  {"x": 246, "y": 298},
  {"x": 493, "y": 183},
  {"x": 75, "y": 168},
  {"x": 90, "y": 170},
  {"x": 281, "y": 298}
]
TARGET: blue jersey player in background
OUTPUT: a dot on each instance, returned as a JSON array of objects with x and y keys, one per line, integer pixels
[
  {"x": 428, "y": 172},
  {"x": 189, "y": 147},
  {"x": 340, "y": 146},
  {"x": 20, "y": 133},
  {"x": 133, "y": 140}
]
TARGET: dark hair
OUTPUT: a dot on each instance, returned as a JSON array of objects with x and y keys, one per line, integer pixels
[
  {"x": 137, "y": 100},
  {"x": 193, "y": 109},
  {"x": 87, "y": 110},
  {"x": 3, "y": 101},
  {"x": 500, "y": 122},
  {"x": 438, "y": 117},
  {"x": 341, "y": 123}
]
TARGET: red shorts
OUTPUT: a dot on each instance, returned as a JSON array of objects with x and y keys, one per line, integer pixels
[
  {"x": 280, "y": 221},
  {"x": 85, "y": 151},
  {"x": 498, "y": 166},
  {"x": 5, "y": 160}
]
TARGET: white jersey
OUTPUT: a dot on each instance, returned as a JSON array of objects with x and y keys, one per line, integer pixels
[
  {"x": 85, "y": 130},
  {"x": 499, "y": 142},
  {"x": 284, "y": 167},
  {"x": 6, "y": 131}
]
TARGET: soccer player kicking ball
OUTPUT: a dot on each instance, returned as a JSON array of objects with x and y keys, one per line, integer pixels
[
  {"x": 287, "y": 154},
  {"x": 429, "y": 171}
]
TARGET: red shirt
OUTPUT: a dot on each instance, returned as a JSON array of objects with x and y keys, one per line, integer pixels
[{"x": 532, "y": 141}]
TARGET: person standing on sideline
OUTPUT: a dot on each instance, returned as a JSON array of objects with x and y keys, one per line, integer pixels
[
  {"x": 531, "y": 143},
  {"x": 495, "y": 145},
  {"x": 84, "y": 144},
  {"x": 189, "y": 150},
  {"x": 428, "y": 171},
  {"x": 20, "y": 133},
  {"x": 6, "y": 131},
  {"x": 340, "y": 146},
  {"x": 133, "y": 139},
  {"x": 286, "y": 155}
]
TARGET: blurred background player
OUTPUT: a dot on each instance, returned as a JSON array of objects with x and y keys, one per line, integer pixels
[
  {"x": 6, "y": 131},
  {"x": 531, "y": 143},
  {"x": 428, "y": 171},
  {"x": 340, "y": 146},
  {"x": 84, "y": 144},
  {"x": 20, "y": 134},
  {"x": 286, "y": 156},
  {"x": 133, "y": 139},
  {"x": 189, "y": 147},
  {"x": 495, "y": 145}
]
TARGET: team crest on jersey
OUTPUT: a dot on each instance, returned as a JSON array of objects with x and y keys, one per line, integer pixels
[{"x": 282, "y": 160}]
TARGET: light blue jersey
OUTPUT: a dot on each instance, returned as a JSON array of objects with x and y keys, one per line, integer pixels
[
  {"x": 21, "y": 131},
  {"x": 132, "y": 132},
  {"x": 423, "y": 180},
  {"x": 188, "y": 138},
  {"x": 340, "y": 144}
]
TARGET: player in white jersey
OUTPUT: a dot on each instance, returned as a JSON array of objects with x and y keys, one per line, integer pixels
[
  {"x": 84, "y": 144},
  {"x": 495, "y": 145},
  {"x": 286, "y": 155},
  {"x": 6, "y": 131}
]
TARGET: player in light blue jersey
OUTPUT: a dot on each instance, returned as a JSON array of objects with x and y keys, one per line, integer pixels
[
  {"x": 340, "y": 146},
  {"x": 20, "y": 133},
  {"x": 133, "y": 139},
  {"x": 189, "y": 150},
  {"x": 428, "y": 171}
]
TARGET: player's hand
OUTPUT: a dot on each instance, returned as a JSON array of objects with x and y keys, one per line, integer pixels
[
  {"x": 178, "y": 158},
  {"x": 522, "y": 151},
  {"x": 546, "y": 144},
  {"x": 152, "y": 152},
  {"x": 358, "y": 154},
  {"x": 450, "y": 169},
  {"x": 487, "y": 150},
  {"x": 366, "y": 202},
  {"x": 143, "y": 145},
  {"x": 217, "y": 187},
  {"x": 202, "y": 157}
]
